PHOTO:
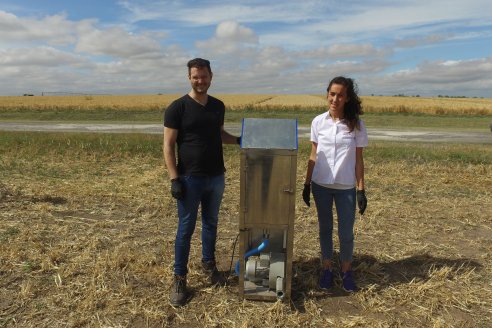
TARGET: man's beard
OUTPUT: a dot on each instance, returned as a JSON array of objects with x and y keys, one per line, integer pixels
[{"x": 201, "y": 89}]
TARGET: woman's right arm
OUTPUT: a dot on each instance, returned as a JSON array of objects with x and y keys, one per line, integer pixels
[{"x": 311, "y": 162}]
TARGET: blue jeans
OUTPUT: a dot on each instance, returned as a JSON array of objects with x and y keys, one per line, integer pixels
[
  {"x": 345, "y": 201},
  {"x": 206, "y": 191}
]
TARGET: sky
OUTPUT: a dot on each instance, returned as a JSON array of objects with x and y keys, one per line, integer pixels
[{"x": 389, "y": 47}]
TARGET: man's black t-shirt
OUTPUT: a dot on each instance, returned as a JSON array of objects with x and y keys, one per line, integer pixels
[{"x": 199, "y": 135}]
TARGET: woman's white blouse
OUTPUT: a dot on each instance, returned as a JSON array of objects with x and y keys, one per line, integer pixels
[{"x": 335, "y": 155}]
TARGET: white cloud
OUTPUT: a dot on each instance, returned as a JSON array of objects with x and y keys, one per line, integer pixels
[
  {"x": 38, "y": 56},
  {"x": 424, "y": 40},
  {"x": 232, "y": 31},
  {"x": 449, "y": 71},
  {"x": 254, "y": 46},
  {"x": 319, "y": 20},
  {"x": 115, "y": 42},
  {"x": 230, "y": 38},
  {"x": 55, "y": 30},
  {"x": 461, "y": 77},
  {"x": 402, "y": 16},
  {"x": 344, "y": 51},
  {"x": 210, "y": 12}
]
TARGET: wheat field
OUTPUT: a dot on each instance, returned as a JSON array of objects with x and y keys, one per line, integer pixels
[{"x": 371, "y": 104}]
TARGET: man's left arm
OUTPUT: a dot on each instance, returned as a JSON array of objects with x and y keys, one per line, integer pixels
[{"x": 228, "y": 138}]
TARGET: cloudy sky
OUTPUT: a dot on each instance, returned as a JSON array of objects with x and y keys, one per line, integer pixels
[{"x": 411, "y": 47}]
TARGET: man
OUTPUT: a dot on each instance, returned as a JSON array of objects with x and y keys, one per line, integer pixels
[{"x": 195, "y": 123}]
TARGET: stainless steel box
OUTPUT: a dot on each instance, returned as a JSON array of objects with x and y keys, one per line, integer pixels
[{"x": 267, "y": 208}]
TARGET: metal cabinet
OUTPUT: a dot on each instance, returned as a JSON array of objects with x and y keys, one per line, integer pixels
[{"x": 267, "y": 208}]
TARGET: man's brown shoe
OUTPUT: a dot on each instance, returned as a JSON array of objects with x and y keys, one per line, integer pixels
[
  {"x": 179, "y": 293},
  {"x": 216, "y": 277}
]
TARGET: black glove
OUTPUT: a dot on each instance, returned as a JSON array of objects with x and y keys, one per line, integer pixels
[
  {"x": 177, "y": 190},
  {"x": 361, "y": 201},
  {"x": 306, "y": 194}
]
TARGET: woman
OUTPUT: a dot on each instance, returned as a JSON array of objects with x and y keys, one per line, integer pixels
[{"x": 336, "y": 173}]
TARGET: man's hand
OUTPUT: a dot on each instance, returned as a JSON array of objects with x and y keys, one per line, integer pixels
[
  {"x": 306, "y": 194},
  {"x": 177, "y": 190},
  {"x": 361, "y": 201}
]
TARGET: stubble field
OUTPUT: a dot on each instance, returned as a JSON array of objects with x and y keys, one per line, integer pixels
[
  {"x": 87, "y": 223},
  {"x": 87, "y": 229}
]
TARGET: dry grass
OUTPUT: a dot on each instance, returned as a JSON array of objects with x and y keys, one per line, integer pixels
[
  {"x": 372, "y": 104},
  {"x": 87, "y": 239}
]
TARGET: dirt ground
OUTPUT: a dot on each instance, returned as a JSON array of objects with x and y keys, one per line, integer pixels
[{"x": 87, "y": 241}]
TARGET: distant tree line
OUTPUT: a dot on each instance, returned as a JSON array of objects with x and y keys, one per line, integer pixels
[{"x": 439, "y": 96}]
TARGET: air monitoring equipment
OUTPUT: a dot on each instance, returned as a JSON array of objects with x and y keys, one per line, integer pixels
[{"x": 267, "y": 208}]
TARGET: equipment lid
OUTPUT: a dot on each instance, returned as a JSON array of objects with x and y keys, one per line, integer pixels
[{"x": 269, "y": 133}]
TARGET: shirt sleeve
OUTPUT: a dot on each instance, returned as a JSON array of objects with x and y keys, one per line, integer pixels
[
  {"x": 314, "y": 130},
  {"x": 222, "y": 111},
  {"x": 172, "y": 117},
  {"x": 361, "y": 139}
]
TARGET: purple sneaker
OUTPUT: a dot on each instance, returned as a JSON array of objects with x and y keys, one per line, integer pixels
[
  {"x": 326, "y": 279},
  {"x": 348, "y": 281}
]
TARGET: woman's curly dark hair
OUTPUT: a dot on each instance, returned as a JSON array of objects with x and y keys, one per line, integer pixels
[{"x": 353, "y": 108}]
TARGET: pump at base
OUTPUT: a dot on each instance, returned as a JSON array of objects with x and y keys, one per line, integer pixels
[{"x": 267, "y": 270}]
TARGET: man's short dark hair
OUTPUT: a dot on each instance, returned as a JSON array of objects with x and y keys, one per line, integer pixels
[{"x": 199, "y": 63}]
